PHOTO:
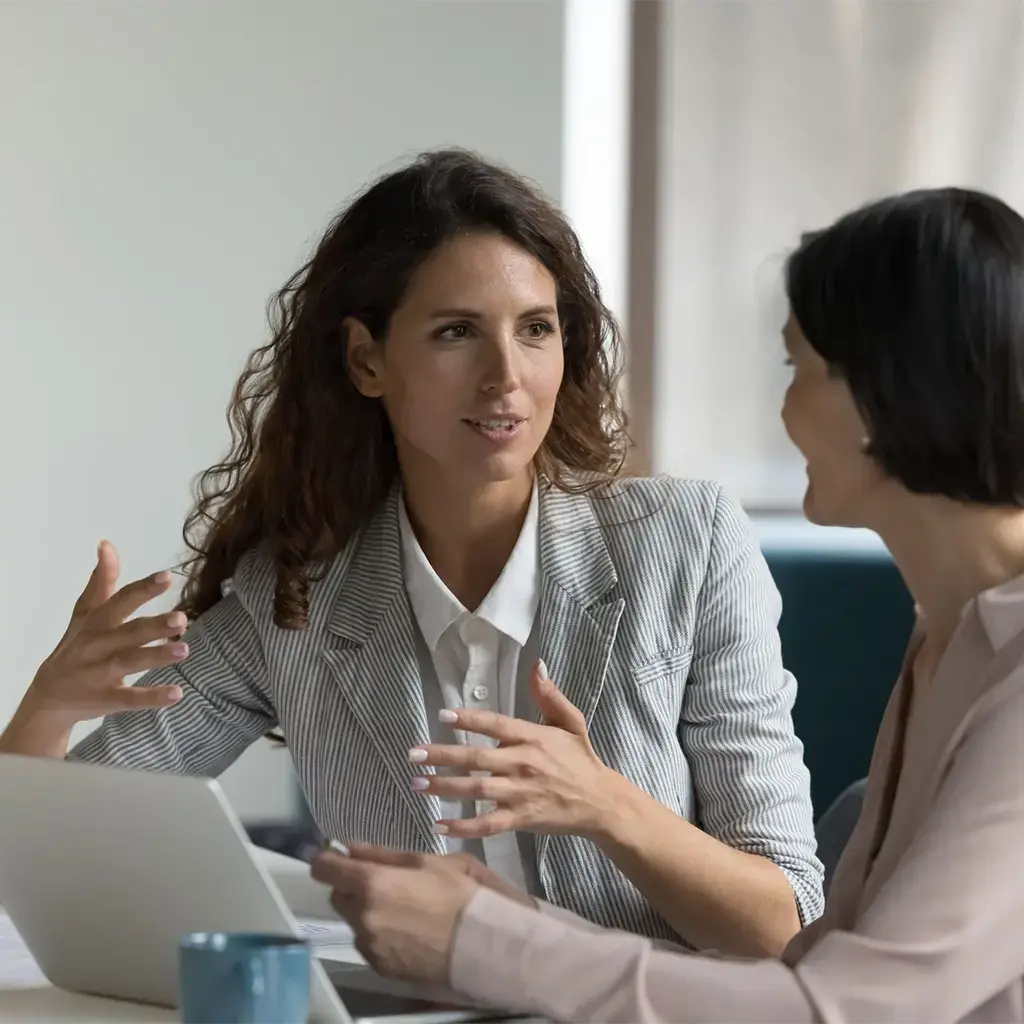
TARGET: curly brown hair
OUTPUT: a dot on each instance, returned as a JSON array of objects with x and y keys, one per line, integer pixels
[{"x": 311, "y": 458}]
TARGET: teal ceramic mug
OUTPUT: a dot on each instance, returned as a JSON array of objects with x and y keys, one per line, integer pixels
[{"x": 243, "y": 978}]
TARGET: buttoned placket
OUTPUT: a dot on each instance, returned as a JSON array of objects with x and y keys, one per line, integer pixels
[{"x": 479, "y": 688}]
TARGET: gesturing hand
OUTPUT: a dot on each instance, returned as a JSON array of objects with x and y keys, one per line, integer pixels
[
  {"x": 543, "y": 778},
  {"x": 84, "y": 677},
  {"x": 404, "y": 908}
]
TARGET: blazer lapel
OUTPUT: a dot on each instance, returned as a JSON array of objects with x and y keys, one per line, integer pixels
[
  {"x": 579, "y": 615},
  {"x": 375, "y": 664}
]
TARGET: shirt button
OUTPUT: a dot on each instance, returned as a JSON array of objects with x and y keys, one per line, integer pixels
[{"x": 480, "y": 692}]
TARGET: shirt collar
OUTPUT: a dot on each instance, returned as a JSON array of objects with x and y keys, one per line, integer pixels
[
  {"x": 510, "y": 605},
  {"x": 1001, "y": 610}
]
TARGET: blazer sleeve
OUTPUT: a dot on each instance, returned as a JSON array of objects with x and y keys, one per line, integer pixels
[
  {"x": 225, "y": 707},
  {"x": 751, "y": 785},
  {"x": 940, "y": 940}
]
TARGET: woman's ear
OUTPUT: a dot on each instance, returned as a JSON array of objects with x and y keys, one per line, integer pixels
[{"x": 363, "y": 355}]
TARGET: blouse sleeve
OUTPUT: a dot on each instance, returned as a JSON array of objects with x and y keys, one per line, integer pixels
[{"x": 942, "y": 937}]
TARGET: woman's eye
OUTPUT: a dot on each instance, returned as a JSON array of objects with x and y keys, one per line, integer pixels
[
  {"x": 539, "y": 330},
  {"x": 454, "y": 332}
]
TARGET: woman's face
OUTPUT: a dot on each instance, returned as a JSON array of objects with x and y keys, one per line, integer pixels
[
  {"x": 472, "y": 363},
  {"x": 823, "y": 421}
]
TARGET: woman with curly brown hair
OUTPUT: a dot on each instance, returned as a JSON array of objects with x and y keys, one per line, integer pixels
[{"x": 422, "y": 501}]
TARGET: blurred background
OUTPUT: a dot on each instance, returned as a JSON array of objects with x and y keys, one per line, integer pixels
[{"x": 166, "y": 165}]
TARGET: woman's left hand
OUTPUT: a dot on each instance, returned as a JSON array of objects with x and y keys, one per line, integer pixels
[
  {"x": 404, "y": 909},
  {"x": 543, "y": 778}
]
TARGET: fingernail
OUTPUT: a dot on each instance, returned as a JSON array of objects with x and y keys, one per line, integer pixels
[
  {"x": 417, "y": 755},
  {"x": 333, "y": 844},
  {"x": 177, "y": 620},
  {"x": 448, "y": 716},
  {"x": 420, "y": 783},
  {"x": 543, "y": 669},
  {"x": 178, "y": 650},
  {"x": 174, "y": 696},
  {"x": 162, "y": 577},
  {"x": 439, "y": 830}
]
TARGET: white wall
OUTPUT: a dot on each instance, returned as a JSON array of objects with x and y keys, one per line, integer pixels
[
  {"x": 163, "y": 167},
  {"x": 777, "y": 118},
  {"x": 595, "y": 139}
]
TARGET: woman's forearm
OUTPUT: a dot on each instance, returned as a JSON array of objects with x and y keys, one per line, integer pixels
[
  {"x": 36, "y": 732},
  {"x": 505, "y": 955},
  {"x": 715, "y": 897}
]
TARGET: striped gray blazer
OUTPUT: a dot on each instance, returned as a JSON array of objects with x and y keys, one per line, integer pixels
[{"x": 658, "y": 620}]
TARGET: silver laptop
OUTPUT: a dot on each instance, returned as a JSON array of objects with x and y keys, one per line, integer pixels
[{"x": 103, "y": 869}]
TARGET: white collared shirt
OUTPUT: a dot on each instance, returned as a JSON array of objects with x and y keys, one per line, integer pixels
[{"x": 480, "y": 659}]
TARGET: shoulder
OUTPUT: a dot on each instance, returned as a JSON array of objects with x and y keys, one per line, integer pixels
[
  {"x": 660, "y": 499},
  {"x": 691, "y": 518},
  {"x": 254, "y": 585},
  {"x": 999, "y": 690},
  {"x": 686, "y": 538}
]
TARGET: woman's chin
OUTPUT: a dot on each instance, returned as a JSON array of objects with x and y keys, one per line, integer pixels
[
  {"x": 816, "y": 508},
  {"x": 824, "y": 509}
]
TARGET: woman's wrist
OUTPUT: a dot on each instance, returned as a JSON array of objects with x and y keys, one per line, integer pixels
[
  {"x": 38, "y": 727},
  {"x": 616, "y": 810}
]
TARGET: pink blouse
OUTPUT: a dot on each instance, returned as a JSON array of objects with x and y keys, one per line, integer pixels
[{"x": 925, "y": 917}]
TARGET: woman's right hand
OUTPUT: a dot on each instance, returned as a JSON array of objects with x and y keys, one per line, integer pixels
[{"x": 84, "y": 677}]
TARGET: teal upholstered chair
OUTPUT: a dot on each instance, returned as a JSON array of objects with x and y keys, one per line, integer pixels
[{"x": 846, "y": 620}]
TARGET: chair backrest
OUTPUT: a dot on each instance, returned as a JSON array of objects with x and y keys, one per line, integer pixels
[{"x": 846, "y": 620}]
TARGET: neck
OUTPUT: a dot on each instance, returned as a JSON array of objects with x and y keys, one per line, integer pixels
[
  {"x": 467, "y": 530},
  {"x": 948, "y": 553}
]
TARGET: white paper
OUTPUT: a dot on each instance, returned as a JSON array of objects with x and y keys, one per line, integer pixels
[
  {"x": 17, "y": 967},
  {"x": 321, "y": 932}
]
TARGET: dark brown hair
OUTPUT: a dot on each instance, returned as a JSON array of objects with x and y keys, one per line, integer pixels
[
  {"x": 917, "y": 302},
  {"x": 311, "y": 458}
]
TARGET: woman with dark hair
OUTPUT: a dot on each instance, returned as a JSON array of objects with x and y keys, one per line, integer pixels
[
  {"x": 421, "y": 502},
  {"x": 907, "y": 401}
]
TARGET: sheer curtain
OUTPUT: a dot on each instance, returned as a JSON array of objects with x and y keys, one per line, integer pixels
[{"x": 773, "y": 118}]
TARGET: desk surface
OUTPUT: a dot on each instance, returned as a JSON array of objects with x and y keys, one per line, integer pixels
[
  {"x": 36, "y": 1001},
  {"x": 46, "y": 1003}
]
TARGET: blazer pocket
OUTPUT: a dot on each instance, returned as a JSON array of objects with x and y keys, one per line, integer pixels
[{"x": 670, "y": 663}]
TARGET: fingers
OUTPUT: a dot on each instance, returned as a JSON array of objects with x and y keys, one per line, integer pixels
[
  {"x": 129, "y": 599},
  {"x": 346, "y": 875},
  {"x": 133, "y": 634},
  {"x": 142, "y": 659},
  {"x": 137, "y": 698},
  {"x": 502, "y": 820},
  {"x": 383, "y": 855},
  {"x": 472, "y": 787},
  {"x": 555, "y": 707},
  {"x": 101, "y": 582},
  {"x": 490, "y": 723},
  {"x": 500, "y": 761}
]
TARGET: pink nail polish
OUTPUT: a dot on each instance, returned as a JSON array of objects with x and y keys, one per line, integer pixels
[
  {"x": 544, "y": 674},
  {"x": 439, "y": 829},
  {"x": 417, "y": 755},
  {"x": 178, "y": 650},
  {"x": 420, "y": 783},
  {"x": 447, "y": 716}
]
